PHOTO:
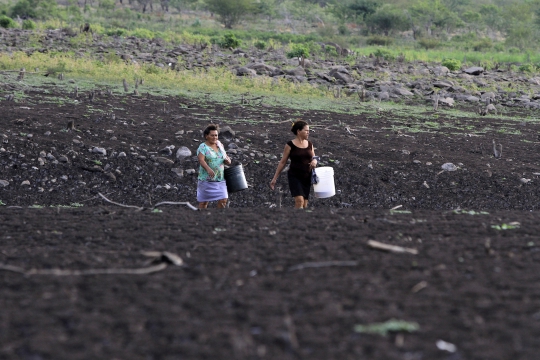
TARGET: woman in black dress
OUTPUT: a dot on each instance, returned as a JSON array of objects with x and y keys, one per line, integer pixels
[{"x": 303, "y": 161}]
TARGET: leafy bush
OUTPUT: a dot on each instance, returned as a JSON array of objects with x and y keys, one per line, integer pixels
[
  {"x": 452, "y": 64},
  {"x": 115, "y": 32},
  {"x": 261, "y": 45},
  {"x": 429, "y": 43},
  {"x": 298, "y": 51},
  {"x": 196, "y": 23},
  {"x": 498, "y": 47},
  {"x": 343, "y": 30},
  {"x": 514, "y": 50},
  {"x": 229, "y": 41},
  {"x": 107, "y": 5},
  {"x": 28, "y": 25},
  {"x": 143, "y": 33},
  {"x": 379, "y": 40},
  {"x": 151, "y": 69},
  {"x": 23, "y": 8},
  {"x": 331, "y": 50},
  {"x": 527, "y": 68},
  {"x": 38, "y": 9},
  {"x": 7, "y": 22},
  {"x": 385, "y": 54},
  {"x": 483, "y": 45}
]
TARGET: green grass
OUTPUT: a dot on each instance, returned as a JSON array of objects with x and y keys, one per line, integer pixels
[{"x": 487, "y": 59}]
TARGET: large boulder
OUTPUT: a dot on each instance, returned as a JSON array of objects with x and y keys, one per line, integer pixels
[
  {"x": 441, "y": 70},
  {"x": 244, "y": 71},
  {"x": 402, "y": 92},
  {"x": 262, "y": 68},
  {"x": 183, "y": 152},
  {"x": 475, "y": 70},
  {"x": 227, "y": 133},
  {"x": 443, "y": 84},
  {"x": 298, "y": 71},
  {"x": 446, "y": 101},
  {"x": 341, "y": 73}
]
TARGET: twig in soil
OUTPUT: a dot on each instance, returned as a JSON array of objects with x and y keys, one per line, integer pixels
[
  {"x": 291, "y": 332},
  {"x": 396, "y": 207},
  {"x": 164, "y": 258},
  {"x": 94, "y": 197},
  {"x": 392, "y": 248},
  {"x": 176, "y": 203},
  {"x": 59, "y": 272},
  {"x": 421, "y": 285},
  {"x": 115, "y": 203},
  {"x": 322, "y": 264}
]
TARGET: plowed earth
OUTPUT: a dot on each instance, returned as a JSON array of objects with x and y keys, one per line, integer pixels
[{"x": 243, "y": 292}]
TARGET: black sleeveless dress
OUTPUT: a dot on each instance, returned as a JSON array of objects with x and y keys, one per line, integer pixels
[{"x": 299, "y": 173}]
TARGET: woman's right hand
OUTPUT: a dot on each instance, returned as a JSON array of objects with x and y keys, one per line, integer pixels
[
  {"x": 273, "y": 184},
  {"x": 211, "y": 173}
]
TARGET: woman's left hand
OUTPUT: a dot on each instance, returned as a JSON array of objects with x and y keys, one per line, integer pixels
[
  {"x": 312, "y": 164},
  {"x": 227, "y": 160}
]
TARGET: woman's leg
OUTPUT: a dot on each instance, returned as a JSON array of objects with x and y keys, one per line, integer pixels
[
  {"x": 299, "y": 202},
  {"x": 222, "y": 204},
  {"x": 203, "y": 205},
  {"x": 305, "y": 203}
]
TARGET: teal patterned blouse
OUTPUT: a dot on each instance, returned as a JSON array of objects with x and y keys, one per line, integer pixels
[{"x": 214, "y": 160}]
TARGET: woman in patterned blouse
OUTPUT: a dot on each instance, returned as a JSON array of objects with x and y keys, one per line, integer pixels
[{"x": 211, "y": 185}]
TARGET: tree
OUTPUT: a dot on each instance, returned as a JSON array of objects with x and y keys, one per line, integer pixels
[
  {"x": 180, "y": 4},
  {"x": 37, "y": 9},
  {"x": 230, "y": 12},
  {"x": 387, "y": 19},
  {"x": 355, "y": 10}
]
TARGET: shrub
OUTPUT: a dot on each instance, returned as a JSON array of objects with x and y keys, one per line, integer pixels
[
  {"x": 196, "y": 23},
  {"x": 514, "y": 50},
  {"x": 379, "y": 40},
  {"x": 298, "y": 51},
  {"x": 385, "y": 54},
  {"x": 343, "y": 30},
  {"x": 28, "y": 25},
  {"x": 498, "y": 47},
  {"x": 115, "y": 32},
  {"x": 143, "y": 33},
  {"x": 229, "y": 41},
  {"x": 429, "y": 43},
  {"x": 261, "y": 45},
  {"x": 452, "y": 64},
  {"x": 23, "y": 8},
  {"x": 331, "y": 50},
  {"x": 7, "y": 22},
  {"x": 527, "y": 68},
  {"x": 483, "y": 45}
]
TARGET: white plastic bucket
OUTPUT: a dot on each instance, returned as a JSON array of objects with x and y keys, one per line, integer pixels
[{"x": 325, "y": 187}]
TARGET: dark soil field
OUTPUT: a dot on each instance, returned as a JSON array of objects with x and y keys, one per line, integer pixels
[{"x": 259, "y": 280}]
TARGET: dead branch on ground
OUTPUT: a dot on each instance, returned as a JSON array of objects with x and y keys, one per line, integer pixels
[
  {"x": 322, "y": 264},
  {"x": 164, "y": 259},
  {"x": 392, "y": 248}
]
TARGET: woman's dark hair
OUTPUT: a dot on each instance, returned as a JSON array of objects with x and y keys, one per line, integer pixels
[
  {"x": 298, "y": 125},
  {"x": 209, "y": 128}
]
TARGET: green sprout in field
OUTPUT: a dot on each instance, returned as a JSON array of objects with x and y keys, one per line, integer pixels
[
  {"x": 2, "y": 203},
  {"x": 470, "y": 212},
  {"x": 504, "y": 226},
  {"x": 157, "y": 211},
  {"x": 36, "y": 206},
  {"x": 97, "y": 162},
  {"x": 384, "y": 328}
]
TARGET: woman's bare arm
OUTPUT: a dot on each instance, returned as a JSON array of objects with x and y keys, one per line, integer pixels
[
  {"x": 281, "y": 165},
  {"x": 203, "y": 163}
]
